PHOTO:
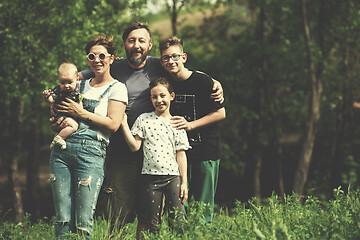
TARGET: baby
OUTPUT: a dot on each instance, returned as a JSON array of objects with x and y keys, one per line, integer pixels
[{"x": 68, "y": 88}]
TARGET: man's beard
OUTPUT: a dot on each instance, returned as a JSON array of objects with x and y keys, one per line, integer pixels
[{"x": 136, "y": 61}]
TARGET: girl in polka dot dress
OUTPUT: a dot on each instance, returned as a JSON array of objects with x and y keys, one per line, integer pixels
[{"x": 164, "y": 170}]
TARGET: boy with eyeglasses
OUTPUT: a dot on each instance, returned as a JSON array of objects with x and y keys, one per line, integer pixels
[
  {"x": 195, "y": 111},
  {"x": 68, "y": 88}
]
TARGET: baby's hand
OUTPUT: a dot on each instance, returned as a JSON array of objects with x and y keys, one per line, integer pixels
[{"x": 47, "y": 94}]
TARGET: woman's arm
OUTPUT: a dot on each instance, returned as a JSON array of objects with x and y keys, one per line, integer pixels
[
  {"x": 134, "y": 142},
  {"x": 179, "y": 122},
  {"x": 182, "y": 162},
  {"x": 111, "y": 122}
]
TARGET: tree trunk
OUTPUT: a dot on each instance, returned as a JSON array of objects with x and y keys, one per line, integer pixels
[
  {"x": 17, "y": 106},
  {"x": 313, "y": 112},
  {"x": 32, "y": 171},
  {"x": 252, "y": 173},
  {"x": 174, "y": 10},
  {"x": 257, "y": 175},
  {"x": 256, "y": 147},
  {"x": 272, "y": 134},
  {"x": 342, "y": 117},
  {"x": 174, "y": 18}
]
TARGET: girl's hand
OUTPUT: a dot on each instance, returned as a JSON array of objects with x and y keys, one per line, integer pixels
[
  {"x": 124, "y": 121},
  {"x": 70, "y": 107},
  {"x": 181, "y": 123},
  {"x": 183, "y": 193}
]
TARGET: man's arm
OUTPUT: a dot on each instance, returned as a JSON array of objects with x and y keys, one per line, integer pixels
[
  {"x": 218, "y": 96},
  {"x": 81, "y": 77},
  {"x": 86, "y": 74}
]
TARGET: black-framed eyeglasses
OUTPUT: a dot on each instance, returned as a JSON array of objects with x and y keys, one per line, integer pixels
[
  {"x": 92, "y": 56},
  {"x": 174, "y": 57}
]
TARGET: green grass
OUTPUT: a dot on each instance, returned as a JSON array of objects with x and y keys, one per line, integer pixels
[{"x": 273, "y": 218}]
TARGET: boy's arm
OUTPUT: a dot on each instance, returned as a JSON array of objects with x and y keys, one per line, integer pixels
[
  {"x": 182, "y": 162},
  {"x": 218, "y": 95},
  {"x": 134, "y": 142},
  {"x": 181, "y": 123}
]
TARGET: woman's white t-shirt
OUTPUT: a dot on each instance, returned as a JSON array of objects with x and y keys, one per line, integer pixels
[{"x": 117, "y": 92}]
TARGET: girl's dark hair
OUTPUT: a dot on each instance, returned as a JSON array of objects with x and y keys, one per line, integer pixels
[
  {"x": 161, "y": 81},
  {"x": 103, "y": 40}
]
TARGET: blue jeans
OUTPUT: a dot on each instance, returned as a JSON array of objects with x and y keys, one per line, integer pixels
[{"x": 76, "y": 175}]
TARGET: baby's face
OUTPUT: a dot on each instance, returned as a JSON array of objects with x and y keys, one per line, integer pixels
[{"x": 67, "y": 82}]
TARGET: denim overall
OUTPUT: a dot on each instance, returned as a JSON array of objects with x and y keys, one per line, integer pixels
[{"x": 76, "y": 175}]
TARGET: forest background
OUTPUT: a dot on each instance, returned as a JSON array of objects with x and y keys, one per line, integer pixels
[{"x": 289, "y": 70}]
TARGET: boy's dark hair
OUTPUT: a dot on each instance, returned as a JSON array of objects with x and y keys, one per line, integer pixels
[
  {"x": 101, "y": 39},
  {"x": 134, "y": 26},
  {"x": 161, "y": 81},
  {"x": 170, "y": 41}
]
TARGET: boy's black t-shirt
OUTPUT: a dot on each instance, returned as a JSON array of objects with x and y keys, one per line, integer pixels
[{"x": 193, "y": 101}]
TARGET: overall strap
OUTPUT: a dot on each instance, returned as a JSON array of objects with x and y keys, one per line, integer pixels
[
  {"x": 82, "y": 85},
  {"x": 107, "y": 90}
]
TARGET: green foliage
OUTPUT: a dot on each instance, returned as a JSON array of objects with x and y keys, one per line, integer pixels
[
  {"x": 36, "y": 36},
  {"x": 260, "y": 62},
  {"x": 263, "y": 69},
  {"x": 25, "y": 230},
  {"x": 274, "y": 218}
]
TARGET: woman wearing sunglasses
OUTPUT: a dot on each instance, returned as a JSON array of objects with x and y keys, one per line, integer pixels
[{"x": 76, "y": 173}]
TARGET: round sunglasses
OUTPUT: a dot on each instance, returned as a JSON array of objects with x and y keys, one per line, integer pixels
[{"x": 92, "y": 56}]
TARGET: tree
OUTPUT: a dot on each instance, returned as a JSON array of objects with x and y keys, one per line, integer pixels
[
  {"x": 314, "y": 110},
  {"x": 174, "y": 7},
  {"x": 38, "y": 36}
]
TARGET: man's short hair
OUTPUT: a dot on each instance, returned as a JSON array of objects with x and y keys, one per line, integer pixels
[
  {"x": 170, "y": 41},
  {"x": 134, "y": 26}
]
